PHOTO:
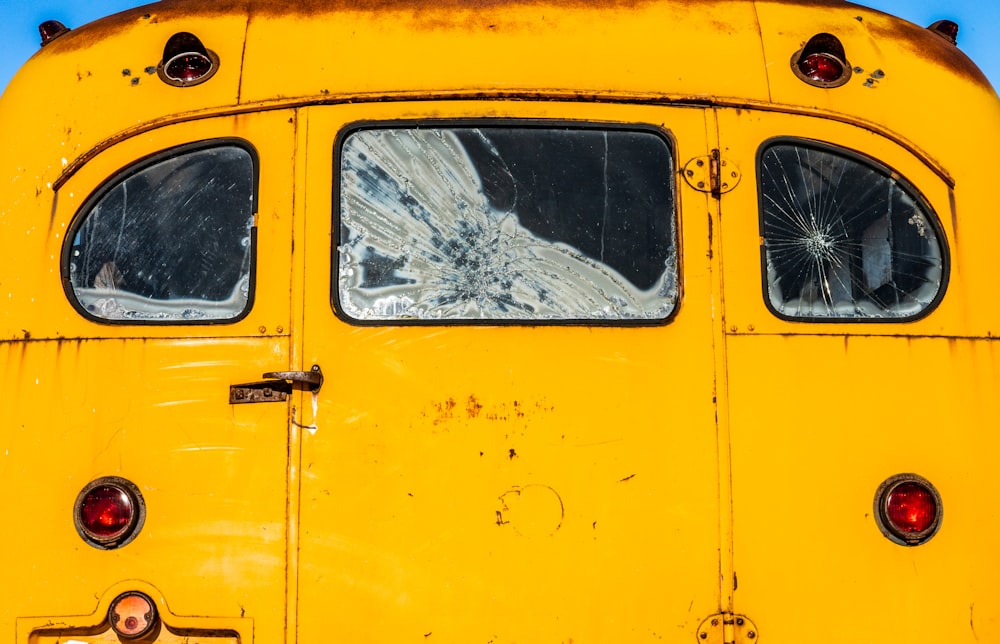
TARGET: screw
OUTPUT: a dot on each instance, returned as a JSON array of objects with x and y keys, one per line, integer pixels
[
  {"x": 715, "y": 622},
  {"x": 739, "y": 621},
  {"x": 751, "y": 634},
  {"x": 700, "y": 163},
  {"x": 703, "y": 636},
  {"x": 701, "y": 184}
]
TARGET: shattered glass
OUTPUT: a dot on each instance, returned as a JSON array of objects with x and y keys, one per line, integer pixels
[
  {"x": 844, "y": 238},
  {"x": 506, "y": 223},
  {"x": 169, "y": 242}
]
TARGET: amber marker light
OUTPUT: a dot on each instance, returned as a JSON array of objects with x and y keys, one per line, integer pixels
[
  {"x": 908, "y": 509},
  {"x": 822, "y": 62},
  {"x": 186, "y": 61},
  {"x": 132, "y": 615},
  {"x": 109, "y": 512}
]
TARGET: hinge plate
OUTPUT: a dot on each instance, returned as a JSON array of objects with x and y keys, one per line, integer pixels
[
  {"x": 727, "y": 628},
  {"x": 712, "y": 173}
]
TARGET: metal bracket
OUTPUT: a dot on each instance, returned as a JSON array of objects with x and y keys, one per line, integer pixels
[
  {"x": 711, "y": 173},
  {"x": 727, "y": 628}
]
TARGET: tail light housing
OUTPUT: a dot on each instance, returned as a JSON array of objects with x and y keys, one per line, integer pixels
[
  {"x": 908, "y": 509},
  {"x": 822, "y": 62},
  {"x": 109, "y": 512}
]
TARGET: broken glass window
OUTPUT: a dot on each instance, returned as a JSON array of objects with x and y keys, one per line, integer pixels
[
  {"x": 514, "y": 223},
  {"x": 844, "y": 237},
  {"x": 169, "y": 240}
]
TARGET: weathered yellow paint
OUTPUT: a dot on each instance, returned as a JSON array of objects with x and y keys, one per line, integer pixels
[{"x": 512, "y": 483}]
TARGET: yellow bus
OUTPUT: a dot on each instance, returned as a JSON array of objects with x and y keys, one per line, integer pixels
[{"x": 529, "y": 321}]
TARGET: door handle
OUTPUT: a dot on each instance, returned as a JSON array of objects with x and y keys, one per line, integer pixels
[
  {"x": 277, "y": 387},
  {"x": 313, "y": 378}
]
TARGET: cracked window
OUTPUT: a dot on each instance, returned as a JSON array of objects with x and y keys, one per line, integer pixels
[
  {"x": 169, "y": 241},
  {"x": 844, "y": 237},
  {"x": 506, "y": 223}
]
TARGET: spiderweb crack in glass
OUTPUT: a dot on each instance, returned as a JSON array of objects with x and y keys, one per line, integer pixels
[
  {"x": 844, "y": 238},
  {"x": 421, "y": 239}
]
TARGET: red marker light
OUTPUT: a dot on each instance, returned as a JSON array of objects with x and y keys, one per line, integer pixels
[
  {"x": 946, "y": 29},
  {"x": 51, "y": 29},
  {"x": 822, "y": 62},
  {"x": 908, "y": 509},
  {"x": 821, "y": 67},
  {"x": 109, "y": 512},
  {"x": 186, "y": 61}
]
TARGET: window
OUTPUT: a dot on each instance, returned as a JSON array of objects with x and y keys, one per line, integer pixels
[
  {"x": 168, "y": 240},
  {"x": 844, "y": 238},
  {"x": 507, "y": 222}
]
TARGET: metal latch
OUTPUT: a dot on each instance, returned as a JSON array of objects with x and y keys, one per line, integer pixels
[
  {"x": 277, "y": 388},
  {"x": 711, "y": 173},
  {"x": 727, "y": 628}
]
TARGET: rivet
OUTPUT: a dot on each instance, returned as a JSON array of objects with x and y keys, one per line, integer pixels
[
  {"x": 280, "y": 329},
  {"x": 262, "y": 329},
  {"x": 749, "y": 328},
  {"x": 751, "y": 634},
  {"x": 703, "y": 636},
  {"x": 739, "y": 620},
  {"x": 700, "y": 163},
  {"x": 701, "y": 184}
]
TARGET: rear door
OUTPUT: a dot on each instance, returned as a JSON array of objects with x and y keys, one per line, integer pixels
[
  {"x": 177, "y": 269},
  {"x": 515, "y": 438},
  {"x": 836, "y": 262}
]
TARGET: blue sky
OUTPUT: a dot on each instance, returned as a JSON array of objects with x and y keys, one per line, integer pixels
[{"x": 979, "y": 20}]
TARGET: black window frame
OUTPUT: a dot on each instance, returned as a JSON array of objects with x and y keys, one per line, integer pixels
[
  {"x": 879, "y": 167},
  {"x": 128, "y": 171},
  {"x": 672, "y": 177}
]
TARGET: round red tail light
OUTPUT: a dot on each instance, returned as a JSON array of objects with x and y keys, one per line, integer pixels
[
  {"x": 109, "y": 512},
  {"x": 822, "y": 62},
  {"x": 132, "y": 615},
  {"x": 908, "y": 509}
]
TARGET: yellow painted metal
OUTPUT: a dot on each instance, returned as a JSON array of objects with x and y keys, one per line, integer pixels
[{"x": 499, "y": 483}]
